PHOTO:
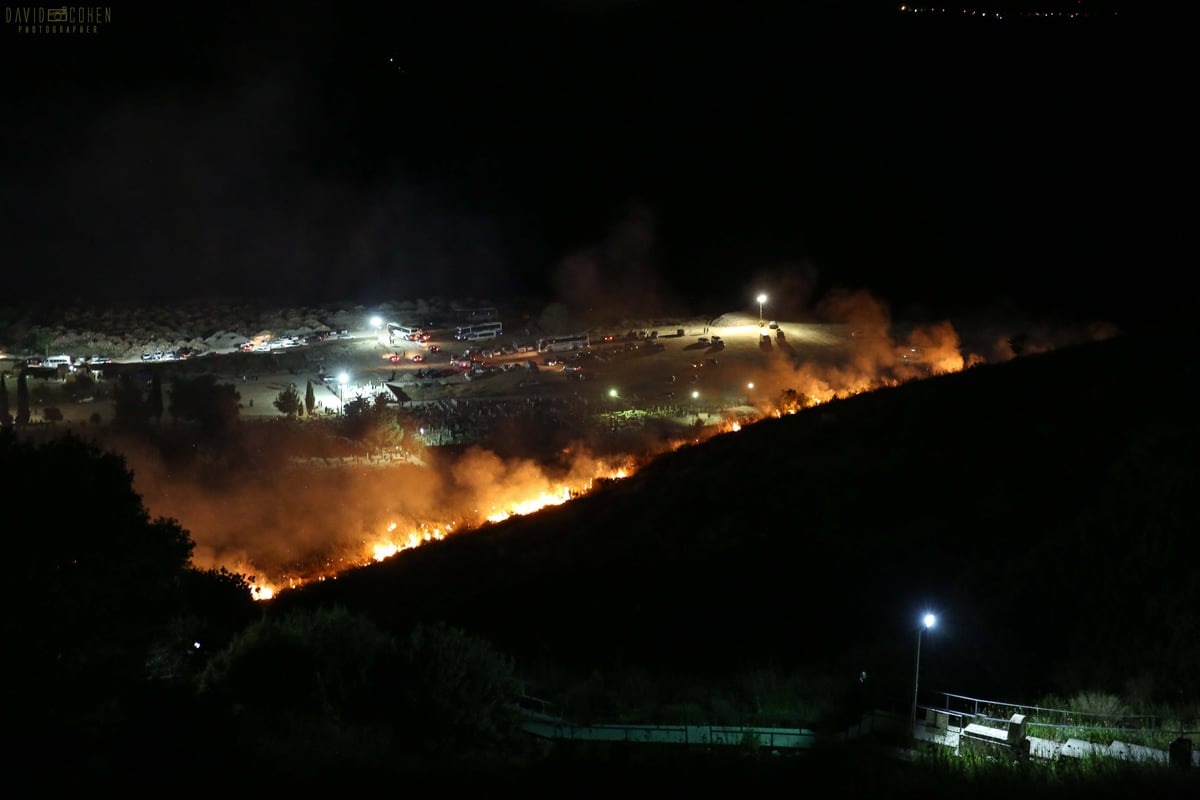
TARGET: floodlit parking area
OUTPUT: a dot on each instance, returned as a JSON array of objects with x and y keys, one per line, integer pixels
[{"x": 706, "y": 366}]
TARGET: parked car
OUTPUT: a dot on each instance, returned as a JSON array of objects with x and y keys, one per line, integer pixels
[{"x": 418, "y": 358}]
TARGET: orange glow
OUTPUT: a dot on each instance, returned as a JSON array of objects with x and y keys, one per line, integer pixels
[
  {"x": 524, "y": 507},
  {"x": 330, "y": 521}
]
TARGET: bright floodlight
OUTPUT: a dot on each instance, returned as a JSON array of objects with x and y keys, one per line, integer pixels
[
  {"x": 612, "y": 392},
  {"x": 749, "y": 385},
  {"x": 929, "y": 620},
  {"x": 762, "y": 298},
  {"x": 695, "y": 395},
  {"x": 343, "y": 379},
  {"x": 376, "y": 322}
]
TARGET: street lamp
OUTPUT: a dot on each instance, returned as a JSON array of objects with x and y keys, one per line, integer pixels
[
  {"x": 762, "y": 298},
  {"x": 376, "y": 321},
  {"x": 928, "y": 621},
  {"x": 342, "y": 379}
]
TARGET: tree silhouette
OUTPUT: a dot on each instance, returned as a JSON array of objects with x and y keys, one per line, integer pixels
[
  {"x": 454, "y": 688},
  {"x": 310, "y": 399},
  {"x": 5, "y": 417},
  {"x": 319, "y": 665},
  {"x": 201, "y": 400},
  {"x": 288, "y": 402},
  {"x": 214, "y": 605},
  {"x": 22, "y": 399},
  {"x": 93, "y": 591},
  {"x": 358, "y": 417},
  {"x": 130, "y": 410}
]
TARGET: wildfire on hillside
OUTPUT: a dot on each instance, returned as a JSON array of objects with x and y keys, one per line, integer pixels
[
  {"x": 478, "y": 488},
  {"x": 819, "y": 388},
  {"x": 392, "y": 541}
]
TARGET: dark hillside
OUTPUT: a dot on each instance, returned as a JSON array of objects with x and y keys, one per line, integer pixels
[{"x": 1044, "y": 507}]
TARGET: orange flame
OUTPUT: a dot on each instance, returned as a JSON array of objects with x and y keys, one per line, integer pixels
[{"x": 939, "y": 354}]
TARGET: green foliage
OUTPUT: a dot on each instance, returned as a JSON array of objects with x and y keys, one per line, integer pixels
[
  {"x": 319, "y": 665},
  {"x": 387, "y": 433},
  {"x": 288, "y": 402},
  {"x": 367, "y": 419},
  {"x": 5, "y": 417},
  {"x": 1107, "y": 708},
  {"x": 310, "y": 399},
  {"x": 454, "y": 690}
]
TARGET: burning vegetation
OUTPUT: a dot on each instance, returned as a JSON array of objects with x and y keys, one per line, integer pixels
[{"x": 284, "y": 518}]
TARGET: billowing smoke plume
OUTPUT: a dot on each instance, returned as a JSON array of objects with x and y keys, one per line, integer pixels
[{"x": 264, "y": 511}]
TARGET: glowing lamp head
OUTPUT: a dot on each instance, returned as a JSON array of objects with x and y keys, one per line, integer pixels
[
  {"x": 612, "y": 392},
  {"x": 929, "y": 620},
  {"x": 762, "y": 298},
  {"x": 343, "y": 379},
  {"x": 695, "y": 395},
  {"x": 376, "y": 322}
]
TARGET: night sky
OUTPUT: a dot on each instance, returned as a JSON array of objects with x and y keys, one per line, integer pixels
[{"x": 701, "y": 151}]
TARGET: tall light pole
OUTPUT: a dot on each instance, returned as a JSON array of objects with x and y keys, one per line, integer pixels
[
  {"x": 762, "y": 298},
  {"x": 928, "y": 621}
]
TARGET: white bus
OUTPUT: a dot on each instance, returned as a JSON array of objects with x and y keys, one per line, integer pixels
[
  {"x": 404, "y": 332},
  {"x": 481, "y": 330},
  {"x": 555, "y": 344}
]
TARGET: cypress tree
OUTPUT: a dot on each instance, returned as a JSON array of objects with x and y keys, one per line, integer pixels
[
  {"x": 22, "y": 399},
  {"x": 5, "y": 419},
  {"x": 310, "y": 399}
]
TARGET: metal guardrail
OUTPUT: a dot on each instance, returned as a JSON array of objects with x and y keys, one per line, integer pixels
[
  {"x": 979, "y": 707},
  {"x": 537, "y": 720},
  {"x": 703, "y": 735}
]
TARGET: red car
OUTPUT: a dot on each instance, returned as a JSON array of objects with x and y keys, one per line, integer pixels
[
  {"x": 395, "y": 358},
  {"x": 435, "y": 348},
  {"x": 418, "y": 358}
]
